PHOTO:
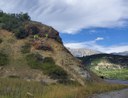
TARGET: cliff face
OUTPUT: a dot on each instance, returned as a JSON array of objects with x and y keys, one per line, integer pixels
[{"x": 48, "y": 44}]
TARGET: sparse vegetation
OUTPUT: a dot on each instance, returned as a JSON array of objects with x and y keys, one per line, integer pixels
[
  {"x": 3, "y": 59},
  {"x": 21, "y": 33},
  {"x": 14, "y": 23},
  {"x": 47, "y": 65},
  {"x": 26, "y": 48},
  {"x": 22, "y": 26},
  {"x": 1, "y": 40},
  {"x": 16, "y": 88},
  {"x": 34, "y": 30}
]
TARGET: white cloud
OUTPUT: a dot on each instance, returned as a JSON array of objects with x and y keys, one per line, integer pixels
[
  {"x": 75, "y": 45},
  {"x": 99, "y": 38},
  {"x": 71, "y": 16},
  {"x": 94, "y": 46}
]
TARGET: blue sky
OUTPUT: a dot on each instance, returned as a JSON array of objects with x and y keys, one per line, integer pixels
[
  {"x": 95, "y": 24},
  {"x": 102, "y": 39},
  {"x": 108, "y": 36}
]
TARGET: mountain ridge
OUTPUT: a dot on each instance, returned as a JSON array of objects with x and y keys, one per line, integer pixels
[
  {"x": 125, "y": 53},
  {"x": 80, "y": 52}
]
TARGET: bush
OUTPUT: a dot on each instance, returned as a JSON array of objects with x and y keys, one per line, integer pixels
[
  {"x": 1, "y": 40},
  {"x": 47, "y": 65},
  {"x": 57, "y": 73},
  {"x": 34, "y": 60},
  {"x": 44, "y": 48},
  {"x": 34, "y": 30},
  {"x": 21, "y": 33},
  {"x": 14, "y": 76},
  {"x": 3, "y": 59},
  {"x": 26, "y": 48},
  {"x": 14, "y": 23}
]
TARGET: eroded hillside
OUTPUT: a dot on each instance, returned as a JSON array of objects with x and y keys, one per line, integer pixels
[{"x": 46, "y": 46}]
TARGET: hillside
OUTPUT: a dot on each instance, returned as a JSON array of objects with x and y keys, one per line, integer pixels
[
  {"x": 82, "y": 52},
  {"x": 125, "y": 53},
  {"x": 35, "y": 64},
  {"x": 33, "y": 51},
  {"x": 107, "y": 65}
]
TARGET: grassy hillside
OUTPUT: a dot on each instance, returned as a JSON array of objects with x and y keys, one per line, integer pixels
[
  {"x": 108, "y": 65},
  {"x": 35, "y": 64},
  {"x": 34, "y": 47}
]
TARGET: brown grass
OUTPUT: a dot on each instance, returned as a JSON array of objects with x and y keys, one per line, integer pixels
[{"x": 15, "y": 88}]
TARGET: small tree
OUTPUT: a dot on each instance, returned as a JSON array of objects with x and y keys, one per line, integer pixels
[
  {"x": 24, "y": 17},
  {"x": 1, "y": 13}
]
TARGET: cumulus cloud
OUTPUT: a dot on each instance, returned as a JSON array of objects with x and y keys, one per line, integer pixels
[
  {"x": 71, "y": 16},
  {"x": 94, "y": 46}
]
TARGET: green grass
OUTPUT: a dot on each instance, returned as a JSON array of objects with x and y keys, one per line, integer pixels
[
  {"x": 113, "y": 73},
  {"x": 3, "y": 59},
  {"x": 26, "y": 48},
  {"x": 16, "y": 88},
  {"x": 1, "y": 40},
  {"x": 47, "y": 65}
]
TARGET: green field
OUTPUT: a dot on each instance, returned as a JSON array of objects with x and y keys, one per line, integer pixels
[
  {"x": 113, "y": 66},
  {"x": 121, "y": 74}
]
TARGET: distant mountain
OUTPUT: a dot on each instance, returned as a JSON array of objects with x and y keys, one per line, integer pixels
[
  {"x": 125, "y": 53},
  {"x": 83, "y": 52}
]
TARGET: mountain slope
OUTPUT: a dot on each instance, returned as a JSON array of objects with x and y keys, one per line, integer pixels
[
  {"x": 125, "y": 53},
  {"x": 108, "y": 65}
]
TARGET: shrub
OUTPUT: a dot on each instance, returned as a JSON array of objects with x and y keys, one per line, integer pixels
[
  {"x": 34, "y": 60},
  {"x": 26, "y": 48},
  {"x": 21, "y": 33},
  {"x": 3, "y": 59},
  {"x": 1, "y": 40},
  {"x": 14, "y": 76},
  {"x": 44, "y": 47},
  {"x": 47, "y": 65},
  {"x": 14, "y": 23},
  {"x": 34, "y": 30}
]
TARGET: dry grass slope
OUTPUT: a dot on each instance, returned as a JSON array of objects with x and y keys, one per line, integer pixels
[
  {"x": 59, "y": 53},
  {"x": 16, "y": 88}
]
